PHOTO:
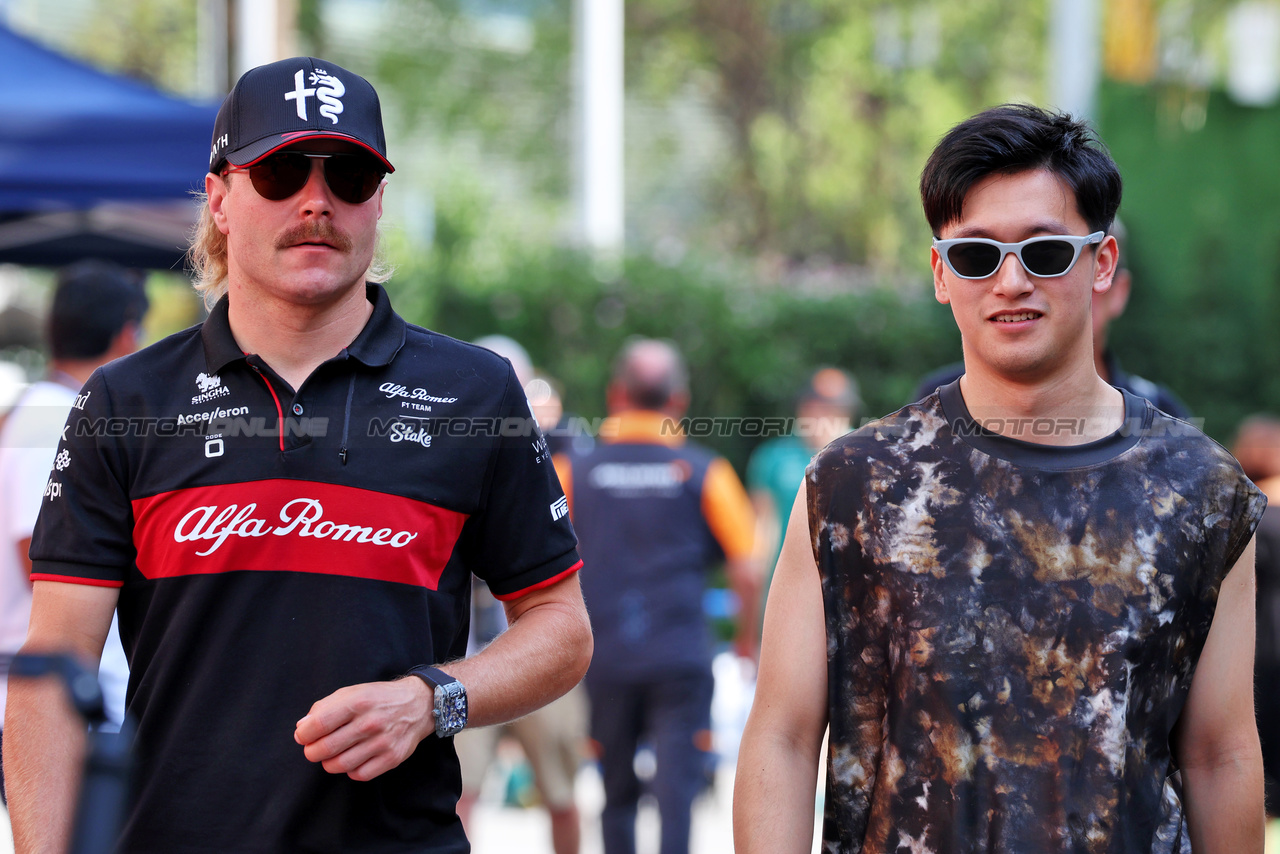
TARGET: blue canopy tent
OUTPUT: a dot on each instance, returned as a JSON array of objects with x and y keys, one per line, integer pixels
[{"x": 93, "y": 165}]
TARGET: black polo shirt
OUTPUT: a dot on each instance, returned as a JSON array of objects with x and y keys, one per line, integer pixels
[{"x": 273, "y": 545}]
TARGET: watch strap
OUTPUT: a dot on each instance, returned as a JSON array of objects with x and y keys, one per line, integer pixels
[
  {"x": 449, "y": 700},
  {"x": 433, "y": 676}
]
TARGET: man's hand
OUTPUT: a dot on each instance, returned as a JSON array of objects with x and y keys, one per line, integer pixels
[{"x": 366, "y": 730}]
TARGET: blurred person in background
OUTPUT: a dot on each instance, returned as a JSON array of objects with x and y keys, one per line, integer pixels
[
  {"x": 564, "y": 431},
  {"x": 95, "y": 316},
  {"x": 294, "y": 571},
  {"x": 1024, "y": 602},
  {"x": 1257, "y": 447},
  {"x": 553, "y": 737},
  {"x": 825, "y": 410},
  {"x": 655, "y": 514},
  {"x": 1107, "y": 307}
]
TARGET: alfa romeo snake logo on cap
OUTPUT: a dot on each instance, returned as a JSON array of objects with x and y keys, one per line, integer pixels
[{"x": 328, "y": 94}]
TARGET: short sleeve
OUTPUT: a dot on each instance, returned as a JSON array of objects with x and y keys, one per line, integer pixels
[
  {"x": 522, "y": 538},
  {"x": 84, "y": 533}
]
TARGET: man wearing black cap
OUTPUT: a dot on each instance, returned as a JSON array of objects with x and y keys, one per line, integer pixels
[{"x": 288, "y": 502}]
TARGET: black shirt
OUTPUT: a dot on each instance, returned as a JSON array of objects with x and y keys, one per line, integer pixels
[{"x": 272, "y": 546}]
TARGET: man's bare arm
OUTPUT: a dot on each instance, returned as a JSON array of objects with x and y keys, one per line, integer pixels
[
  {"x": 365, "y": 730},
  {"x": 543, "y": 654},
  {"x": 44, "y": 738},
  {"x": 777, "y": 775},
  {"x": 1216, "y": 738}
]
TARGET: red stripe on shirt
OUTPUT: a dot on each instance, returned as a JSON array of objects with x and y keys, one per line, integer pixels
[
  {"x": 75, "y": 579},
  {"x": 507, "y": 597},
  {"x": 294, "y": 526}
]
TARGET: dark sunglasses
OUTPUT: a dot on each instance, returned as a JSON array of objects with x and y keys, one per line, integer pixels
[
  {"x": 353, "y": 178},
  {"x": 1046, "y": 257}
]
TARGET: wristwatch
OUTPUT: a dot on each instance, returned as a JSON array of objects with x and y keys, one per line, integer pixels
[{"x": 450, "y": 709}]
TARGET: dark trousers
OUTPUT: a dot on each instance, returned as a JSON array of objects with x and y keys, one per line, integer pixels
[{"x": 674, "y": 715}]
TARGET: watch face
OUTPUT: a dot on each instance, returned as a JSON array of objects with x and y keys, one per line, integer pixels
[{"x": 451, "y": 709}]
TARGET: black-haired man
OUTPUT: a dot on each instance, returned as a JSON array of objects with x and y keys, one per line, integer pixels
[
  {"x": 290, "y": 543},
  {"x": 1107, "y": 307},
  {"x": 998, "y": 596}
]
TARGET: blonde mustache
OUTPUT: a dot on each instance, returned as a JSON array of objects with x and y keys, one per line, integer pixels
[{"x": 315, "y": 231}]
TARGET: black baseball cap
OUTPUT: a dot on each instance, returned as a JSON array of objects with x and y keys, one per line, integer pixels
[{"x": 278, "y": 104}]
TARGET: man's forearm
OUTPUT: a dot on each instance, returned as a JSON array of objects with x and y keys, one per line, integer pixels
[
  {"x": 364, "y": 730},
  {"x": 44, "y": 738},
  {"x": 774, "y": 795},
  {"x": 543, "y": 654},
  {"x": 1224, "y": 804},
  {"x": 44, "y": 743}
]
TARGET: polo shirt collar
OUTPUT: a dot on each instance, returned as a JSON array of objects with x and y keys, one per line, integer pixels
[{"x": 376, "y": 345}]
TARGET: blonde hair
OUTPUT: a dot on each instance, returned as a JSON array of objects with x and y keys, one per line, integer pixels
[{"x": 207, "y": 256}]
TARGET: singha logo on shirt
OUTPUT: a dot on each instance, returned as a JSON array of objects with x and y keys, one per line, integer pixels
[{"x": 210, "y": 386}]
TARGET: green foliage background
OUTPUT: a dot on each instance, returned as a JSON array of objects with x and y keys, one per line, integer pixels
[
  {"x": 750, "y": 347},
  {"x": 1202, "y": 208},
  {"x": 798, "y": 241}
]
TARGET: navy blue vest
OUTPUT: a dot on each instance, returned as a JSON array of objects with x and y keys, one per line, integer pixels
[{"x": 646, "y": 550}]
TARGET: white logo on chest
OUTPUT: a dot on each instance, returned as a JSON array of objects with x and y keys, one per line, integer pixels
[
  {"x": 301, "y": 517},
  {"x": 401, "y": 432},
  {"x": 326, "y": 89},
  {"x": 210, "y": 386}
]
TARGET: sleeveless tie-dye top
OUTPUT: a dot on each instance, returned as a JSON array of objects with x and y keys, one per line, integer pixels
[{"x": 1012, "y": 629}]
